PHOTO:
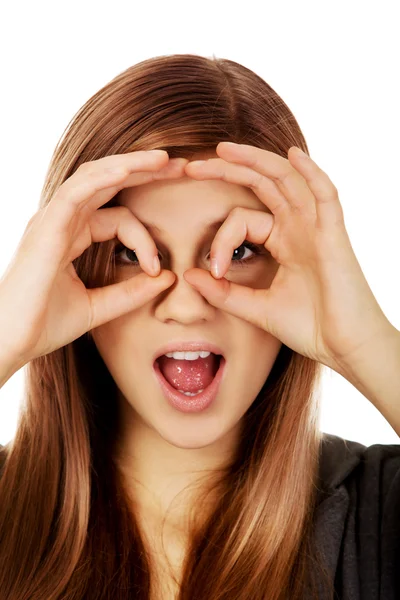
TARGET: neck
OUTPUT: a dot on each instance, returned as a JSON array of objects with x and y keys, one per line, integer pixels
[{"x": 164, "y": 481}]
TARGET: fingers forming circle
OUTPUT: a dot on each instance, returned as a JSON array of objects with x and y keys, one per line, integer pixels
[
  {"x": 240, "y": 225},
  {"x": 287, "y": 179},
  {"x": 94, "y": 183},
  {"x": 265, "y": 189},
  {"x": 120, "y": 222},
  {"x": 329, "y": 210},
  {"x": 75, "y": 205}
]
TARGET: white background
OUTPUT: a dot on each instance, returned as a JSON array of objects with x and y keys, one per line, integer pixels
[{"x": 336, "y": 65}]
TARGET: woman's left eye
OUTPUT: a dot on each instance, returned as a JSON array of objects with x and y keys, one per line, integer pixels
[
  {"x": 248, "y": 246},
  {"x": 120, "y": 248}
]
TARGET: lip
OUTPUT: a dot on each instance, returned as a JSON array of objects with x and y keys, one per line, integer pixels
[{"x": 187, "y": 346}]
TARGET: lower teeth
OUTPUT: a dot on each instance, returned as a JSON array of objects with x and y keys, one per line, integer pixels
[{"x": 189, "y": 393}]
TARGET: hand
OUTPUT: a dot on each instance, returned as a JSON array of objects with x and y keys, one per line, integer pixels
[
  {"x": 43, "y": 303},
  {"x": 319, "y": 303}
]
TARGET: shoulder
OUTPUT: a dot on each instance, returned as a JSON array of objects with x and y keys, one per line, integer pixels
[
  {"x": 357, "y": 524},
  {"x": 342, "y": 461},
  {"x": 338, "y": 459}
]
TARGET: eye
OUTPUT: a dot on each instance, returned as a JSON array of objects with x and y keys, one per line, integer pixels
[
  {"x": 237, "y": 257},
  {"x": 119, "y": 249},
  {"x": 248, "y": 246}
]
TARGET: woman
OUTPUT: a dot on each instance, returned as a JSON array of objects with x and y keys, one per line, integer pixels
[{"x": 116, "y": 483}]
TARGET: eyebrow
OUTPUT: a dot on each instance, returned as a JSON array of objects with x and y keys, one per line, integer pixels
[{"x": 204, "y": 229}]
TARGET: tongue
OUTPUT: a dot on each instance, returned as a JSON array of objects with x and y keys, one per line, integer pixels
[{"x": 189, "y": 375}]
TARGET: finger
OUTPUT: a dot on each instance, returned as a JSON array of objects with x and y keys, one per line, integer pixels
[
  {"x": 328, "y": 207},
  {"x": 54, "y": 226},
  {"x": 58, "y": 215},
  {"x": 217, "y": 168},
  {"x": 238, "y": 300},
  {"x": 112, "y": 301},
  {"x": 81, "y": 189},
  {"x": 240, "y": 225},
  {"x": 119, "y": 222},
  {"x": 277, "y": 168},
  {"x": 174, "y": 169}
]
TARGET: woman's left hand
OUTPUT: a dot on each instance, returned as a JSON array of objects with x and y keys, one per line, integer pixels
[{"x": 319, "y": 303}]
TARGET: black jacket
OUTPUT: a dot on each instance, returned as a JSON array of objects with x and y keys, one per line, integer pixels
[{"x": 357, "y": 521}]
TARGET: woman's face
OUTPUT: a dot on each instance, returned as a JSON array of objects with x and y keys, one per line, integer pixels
[{"x": 180, "y": 208}]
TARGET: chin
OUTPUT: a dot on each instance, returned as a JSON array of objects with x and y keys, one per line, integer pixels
[{"x": 195, "y": 436}]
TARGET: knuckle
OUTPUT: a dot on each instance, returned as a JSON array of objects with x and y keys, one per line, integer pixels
[
  {"x": 85, "y": 167},
  {"x": 237, "y": 211},
  {"x": 329, "y": 193},
  {"x": 285, "y": 176},
  {"x": 34, "y": 218},
  {"x": 256, "y": 181},
  {"x": 335, "y": 191},
  {"x": 126, "y": 213},
  {"x": 328, "y": 184}
]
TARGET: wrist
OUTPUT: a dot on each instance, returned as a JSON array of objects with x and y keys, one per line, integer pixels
[{"x": 375, "y": 369}]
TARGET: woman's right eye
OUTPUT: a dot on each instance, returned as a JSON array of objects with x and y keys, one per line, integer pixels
[{"x": 119, "y": 249}]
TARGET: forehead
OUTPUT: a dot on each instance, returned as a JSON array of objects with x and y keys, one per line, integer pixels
[
  {"x": 187, "y": 200},
  {"x": 185, "y": 208},
  {"x": 186, "y": 190}
]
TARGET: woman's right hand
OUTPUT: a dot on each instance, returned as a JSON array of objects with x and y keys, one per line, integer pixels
[{"x": 43, "y": 303}]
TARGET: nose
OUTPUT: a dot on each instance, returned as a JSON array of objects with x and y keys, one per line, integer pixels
[{"x": 182, "y": 303}]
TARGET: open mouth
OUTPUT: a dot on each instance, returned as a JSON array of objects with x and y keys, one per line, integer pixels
[
  {"x": 189, "y": 376},
  {"x": 190, "y": 385}
]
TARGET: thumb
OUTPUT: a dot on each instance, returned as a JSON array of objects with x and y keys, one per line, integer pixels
[
  {"x": 112, "y": 301},
  {"x": 246, "y": 303}
]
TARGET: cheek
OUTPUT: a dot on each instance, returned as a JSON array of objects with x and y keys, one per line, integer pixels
[
  {"x": 267, "y": 345},
  {"x": 107, "y": 337},
  {"x": 252, "y": 365},
  {"x": 120, "y": 339},
  {"x": 263, "y": 350}
]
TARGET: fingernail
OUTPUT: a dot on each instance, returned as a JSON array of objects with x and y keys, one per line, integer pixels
[
  {"x": 156, "y": 265},
  {"x": 214, "y": 267},
  {"x": 197, "y": 162},
  {"x": 300, "y": 152},
  {"x": 160, "y": 152}
]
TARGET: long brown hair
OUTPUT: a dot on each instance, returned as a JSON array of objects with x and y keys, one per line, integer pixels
[{"x": 67, "y": 529}]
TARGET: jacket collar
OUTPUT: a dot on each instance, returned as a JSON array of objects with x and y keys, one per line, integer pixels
[{"x": 339, "y": 457}]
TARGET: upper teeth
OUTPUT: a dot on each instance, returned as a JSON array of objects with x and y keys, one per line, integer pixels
[{"x": 188, "y": 355}]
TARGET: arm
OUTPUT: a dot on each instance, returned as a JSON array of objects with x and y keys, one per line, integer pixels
[{"x": 375, "y": 372}]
